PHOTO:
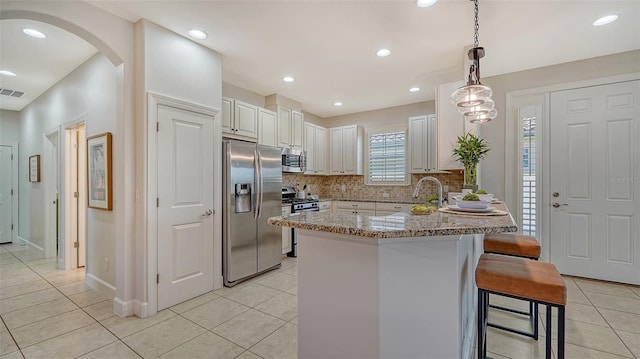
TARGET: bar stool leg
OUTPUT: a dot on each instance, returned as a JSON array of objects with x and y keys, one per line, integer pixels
[
  {"x": 548, "y": 334},
  {"x": 533, "y": 309},
  {"x": 481, "y": 315},
  {"x": 561, "y": 332}
]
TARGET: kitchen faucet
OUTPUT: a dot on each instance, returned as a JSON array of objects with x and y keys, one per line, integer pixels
[{"x": 429, "y": 178}]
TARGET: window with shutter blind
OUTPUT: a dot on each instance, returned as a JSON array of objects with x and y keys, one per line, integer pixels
[{"x": 387, "y": 157}]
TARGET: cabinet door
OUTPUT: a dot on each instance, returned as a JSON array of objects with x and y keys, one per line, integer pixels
[
  {"x": 309, "y": 146},
  {"x": 227, "y": 115},
  {"x": 350, "y": 150},
  {"x": 336, "y": 151},
  {"x": 286, "y": 233},
  {"x": 320, "y": 149},
  {"x": 450, "y": 126},
  {"x": 297, "y": 129},
  {"x": 432, "y": 143},
  {"x": 417, "y": 144},
  {"x": 267, "y": 127},
  {"x": 284, "y": 127},
  {"x": 246, "y": 119}
]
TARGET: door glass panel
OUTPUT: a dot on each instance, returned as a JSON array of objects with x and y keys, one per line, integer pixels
[{"x": 528, "y": 165}]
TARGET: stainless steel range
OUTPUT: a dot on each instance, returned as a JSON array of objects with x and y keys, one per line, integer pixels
[{"x": 298, "y": 205}]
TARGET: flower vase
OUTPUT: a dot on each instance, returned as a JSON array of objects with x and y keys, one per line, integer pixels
[{"x": 471, "y": 177}]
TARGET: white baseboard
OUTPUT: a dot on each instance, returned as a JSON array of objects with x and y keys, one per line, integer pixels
[
  {"x": 100, "y": 285},
  {"x": 31, "y": 244},
  {"x": 122, "y": 308},
  {"x": 141, "y": 309}
]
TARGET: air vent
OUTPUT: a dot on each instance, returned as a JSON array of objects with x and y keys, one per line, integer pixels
[{"x": 12, "y": 93}]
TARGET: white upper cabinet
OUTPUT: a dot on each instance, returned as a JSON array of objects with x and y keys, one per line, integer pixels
[
  {"x": 290, "y": 127},
  {"x": 315, "y": 143},
  {"x": 267, "y": 127},
  {"x": 423, "y": 144},
  {"x": 239, "y": 119},
  {"x": 346, "y": 146},
  {"x": 451, "y": 124},
  {"x": 297, "y": 129},
  {"x": 227, "y": 115}
]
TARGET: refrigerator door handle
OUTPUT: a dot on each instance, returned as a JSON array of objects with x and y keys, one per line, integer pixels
[{"x": 258, "y": 184}]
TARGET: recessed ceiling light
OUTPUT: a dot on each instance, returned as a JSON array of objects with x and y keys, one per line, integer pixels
[
  {"x": 337, "y": 104},
  {"x": 198, "y": 34},
  {"x": 383, "y": 52},
  {"x": 288, "y": 79},
  {"x": 7, "y": 73},
  {"x": 605, "y": 20},
  {"x": 34, "y": 33},
  {"x": 414, "y": 89},
  {"x": 426, "y": 3}
]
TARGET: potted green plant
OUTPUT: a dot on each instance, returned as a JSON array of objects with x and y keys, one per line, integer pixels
[{"x": 471, "y": 149}]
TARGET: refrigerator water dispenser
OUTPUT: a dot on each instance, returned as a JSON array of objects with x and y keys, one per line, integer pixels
[{"x": 243, "y": 197}]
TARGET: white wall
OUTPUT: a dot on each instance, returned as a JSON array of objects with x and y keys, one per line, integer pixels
[
  {"x": 493, "y": 167},
  {"x": 113, "y": 36},
  {"x": 90, "y": 89},
  {"x": 383, "y": 117},
  {"x": 173, "y": 66},
  {"x": 9, "y": 127}
]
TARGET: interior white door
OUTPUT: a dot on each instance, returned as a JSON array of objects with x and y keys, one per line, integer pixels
[
  {"x": 5, "y": 194},
  {"x": 82, "y": 197},
  {"x": 185, "y": 204},
  {"x": 595, "y": 181},
  {"x": 51, "y": 177}
]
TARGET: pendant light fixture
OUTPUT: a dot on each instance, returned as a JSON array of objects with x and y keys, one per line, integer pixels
[{"x": 474, "y": 99}]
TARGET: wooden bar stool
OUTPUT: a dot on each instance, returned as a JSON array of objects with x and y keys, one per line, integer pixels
[
  {"x": 516, "y": 245},
  {"x": 534, "y": 281},
  {"x": 511, "y": 244}
]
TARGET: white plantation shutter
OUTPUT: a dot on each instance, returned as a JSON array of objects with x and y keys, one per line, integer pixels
[{"x": 387, "y": 157}]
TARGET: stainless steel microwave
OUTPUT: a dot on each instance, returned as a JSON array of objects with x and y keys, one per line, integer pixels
[{"x": 293, "y": 160}]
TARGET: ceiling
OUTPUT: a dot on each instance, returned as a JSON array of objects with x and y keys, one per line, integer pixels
[
  {"x": 329, "y": 46},
  {"x": 37, "y": 63}
]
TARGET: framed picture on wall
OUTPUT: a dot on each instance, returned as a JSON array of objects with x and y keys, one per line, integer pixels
[
  {"x": 34, "y": 168},
  {"x": 99, "y": 179}
]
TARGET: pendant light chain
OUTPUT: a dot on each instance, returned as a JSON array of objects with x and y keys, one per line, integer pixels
[{"x": 476, "y": 27}]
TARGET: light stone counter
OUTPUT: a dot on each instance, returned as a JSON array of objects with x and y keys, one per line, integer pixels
[
  {"x": 397, "y": 286},
  {"x": 399, "y": 225}
]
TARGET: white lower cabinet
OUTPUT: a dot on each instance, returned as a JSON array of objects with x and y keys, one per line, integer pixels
[
  {"x": 286, "y": 232},
  {"x": 351, "y": 207},
  {"x": 324, "y": 206},
  {"x": 385, "y": 209}
]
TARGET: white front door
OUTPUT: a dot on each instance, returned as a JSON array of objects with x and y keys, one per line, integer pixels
[
  {"x": 6, "y": 211},
  {"x": 185, "y": 204},
  {"x": 595, "y": 182}
]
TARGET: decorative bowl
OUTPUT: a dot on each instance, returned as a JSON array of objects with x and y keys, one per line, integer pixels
[
  {"x": 472, "y": 204},
  {"x": 485, "y": 197}
]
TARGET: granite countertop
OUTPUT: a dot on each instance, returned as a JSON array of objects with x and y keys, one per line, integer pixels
[
  {"x": 379, "y": 200},
  {"x": 399, "y": 225}
]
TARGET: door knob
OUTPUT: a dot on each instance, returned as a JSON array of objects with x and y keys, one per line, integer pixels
[
  {"x": 207, "y": 213},
  {"x": 555, "y": 194},
  {"x": 556, "y": 204}
]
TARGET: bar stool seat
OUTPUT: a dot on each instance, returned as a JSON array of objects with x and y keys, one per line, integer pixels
[
  {"x": 535, "y": 281},
  {"x": 518, "y": 245},
  {"x": 512, "y": 244}
]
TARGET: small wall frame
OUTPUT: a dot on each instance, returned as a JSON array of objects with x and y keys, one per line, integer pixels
[
  {"x": 99, "y": 176},
  {"x": 34, "y": 168}
]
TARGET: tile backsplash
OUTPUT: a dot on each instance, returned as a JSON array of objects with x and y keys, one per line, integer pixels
[{"x": 354, "y": 187}]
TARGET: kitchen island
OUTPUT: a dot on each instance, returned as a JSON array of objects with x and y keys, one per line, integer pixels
[{"x": 397, "y": 286}]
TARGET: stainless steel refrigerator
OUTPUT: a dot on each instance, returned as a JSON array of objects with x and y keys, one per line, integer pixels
[{"x": 252, "y": 193}]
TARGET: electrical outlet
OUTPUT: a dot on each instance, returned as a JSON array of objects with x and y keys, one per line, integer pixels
[
  {"x": 445, "y": 188},
  {"x": 106, "y": 264},
  {"x": 385, "y": 195},
  {"x": 343, "y": 188}
]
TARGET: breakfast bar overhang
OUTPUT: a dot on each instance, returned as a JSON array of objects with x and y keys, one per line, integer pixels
[{"x": 397, "y": 286}]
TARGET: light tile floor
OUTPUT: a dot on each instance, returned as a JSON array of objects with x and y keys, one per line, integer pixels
[{"x": 48, "y": 313}]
